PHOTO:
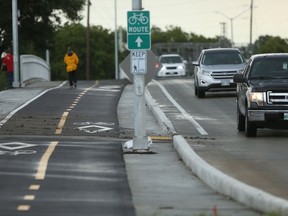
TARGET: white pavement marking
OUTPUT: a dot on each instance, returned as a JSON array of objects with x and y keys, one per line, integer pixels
[
  {"x": 184, "y": 113},
  {"x": 15, "y": 145},
  {"x": 93, "y": 128}
]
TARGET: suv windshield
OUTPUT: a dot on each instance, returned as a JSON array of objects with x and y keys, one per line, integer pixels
[
  {"x": 270, "y": 69},
  {"x": 171, "y": 59},
  {"x": 222, "y": 58}
]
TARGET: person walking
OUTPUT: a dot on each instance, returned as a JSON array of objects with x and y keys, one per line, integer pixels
[
  {"x": 8, "y": 64},
  {"x": 71, "y": 60}
]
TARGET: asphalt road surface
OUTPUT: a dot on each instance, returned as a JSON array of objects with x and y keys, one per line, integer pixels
[
  {"x": 261, "y": 161},
  {"x": 69, "y": 129}
]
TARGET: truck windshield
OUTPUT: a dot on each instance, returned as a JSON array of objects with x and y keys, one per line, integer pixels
[{"x": 273, "y": 68}]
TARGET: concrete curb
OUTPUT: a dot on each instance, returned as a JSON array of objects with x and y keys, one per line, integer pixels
[
  {"x": 218, "y": 181},
  {"x": 161, "y": 118},
  {"x": 224, "y": 184}
]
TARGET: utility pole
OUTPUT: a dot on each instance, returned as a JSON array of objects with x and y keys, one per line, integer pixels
[
  {"x": 116, "y": 43},
  {"x": 251, "y": 25},
  {"x": 223, "y": 29},
  {"x": 88, "y": 41}
]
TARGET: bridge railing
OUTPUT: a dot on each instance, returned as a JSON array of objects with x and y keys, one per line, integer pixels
[{"x": 33, "y": 67}]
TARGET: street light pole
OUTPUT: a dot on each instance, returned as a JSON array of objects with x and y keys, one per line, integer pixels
[
  {"x": 116, "y": 43},
  {"x": 231, "y": 21},
  {"x": 88, "y": 41}
]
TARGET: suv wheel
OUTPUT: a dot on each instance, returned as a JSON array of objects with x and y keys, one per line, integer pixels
[
  {"x": 195, "y": 89},
  {"x": 250, "y": 127},
  {"x": 200, "y": 93},
  {"x": 240, "y": 120}
]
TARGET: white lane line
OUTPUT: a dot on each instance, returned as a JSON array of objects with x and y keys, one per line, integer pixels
[
  {"x": 184, "y": 113},
  {"x": 26, "y": 103}
]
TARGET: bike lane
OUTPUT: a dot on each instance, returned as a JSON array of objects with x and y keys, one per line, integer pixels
[{"x": 74, "y": 172}]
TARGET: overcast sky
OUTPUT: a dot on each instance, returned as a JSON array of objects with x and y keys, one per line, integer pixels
[{"x": 201, "y": 16}]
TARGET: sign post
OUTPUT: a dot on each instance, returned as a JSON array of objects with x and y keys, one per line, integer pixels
[{"x": 139, "y": 41}]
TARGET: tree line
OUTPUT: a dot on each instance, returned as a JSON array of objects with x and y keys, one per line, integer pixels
[{"x": 55, "y": 25}]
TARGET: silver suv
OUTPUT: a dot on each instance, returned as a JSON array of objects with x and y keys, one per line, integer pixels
[{"x": 215, "y": 68}]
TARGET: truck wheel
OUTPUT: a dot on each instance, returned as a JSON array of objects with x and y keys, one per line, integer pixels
[
  {"x": 240, "y": 120},
  {"x": 250, "y": 127}
]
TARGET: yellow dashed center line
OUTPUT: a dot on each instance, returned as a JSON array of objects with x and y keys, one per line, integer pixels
[
  {"x": 34, "y": 187},
  {"x": 23, "y": 208},
  {"x": 41, "y": 172},
  {"x": 43, "y": 164},
  {"x": 61, "y": 123},
  {"x": 29, "y": 197}
]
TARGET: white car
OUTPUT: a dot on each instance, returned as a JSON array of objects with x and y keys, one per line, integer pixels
[{"x": 172, "y": 65}]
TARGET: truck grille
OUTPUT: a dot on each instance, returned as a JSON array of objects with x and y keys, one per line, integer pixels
[
  {"x": 223, "y": 74},
  {"x": 277, "y": 98}
]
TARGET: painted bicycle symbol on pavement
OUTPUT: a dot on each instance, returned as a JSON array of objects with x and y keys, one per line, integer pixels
[
  {"x": 94, "y": 127},
  {"x": 16, "y": 148},
  {"x": 18, "y": 152}
]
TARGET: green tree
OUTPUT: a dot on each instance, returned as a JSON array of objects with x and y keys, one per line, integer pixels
[
  {"x": 157, "y": 35},
  {"x": 101, "y": 51},
  {"x": 37, "y": 21},
  {"x": 176, "y": 34},
  {"x": 270, "y": 44}
]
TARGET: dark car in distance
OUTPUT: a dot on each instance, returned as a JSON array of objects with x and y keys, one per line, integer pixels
[{"x": 262, "y": 93}]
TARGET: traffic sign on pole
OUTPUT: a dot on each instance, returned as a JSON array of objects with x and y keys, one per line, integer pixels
[{"x": 138, "y": 30}]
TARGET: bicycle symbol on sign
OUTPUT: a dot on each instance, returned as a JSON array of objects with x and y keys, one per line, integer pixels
[{"x": 138, "y": 17}]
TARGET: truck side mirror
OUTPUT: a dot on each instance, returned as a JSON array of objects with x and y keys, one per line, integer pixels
[{"x": 239, "y": 78}]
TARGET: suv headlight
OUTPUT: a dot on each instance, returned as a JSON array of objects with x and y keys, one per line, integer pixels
[
  {"x": 257, "y": 97},
  {"x": 181, "y": 67},
  {"x": 206, "y": 72}
]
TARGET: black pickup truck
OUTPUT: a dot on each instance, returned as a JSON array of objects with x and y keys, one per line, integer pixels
[{"x": 262, "y": 93}]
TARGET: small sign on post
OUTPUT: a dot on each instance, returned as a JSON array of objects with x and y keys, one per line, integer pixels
[{"x": 138, "y": 62}]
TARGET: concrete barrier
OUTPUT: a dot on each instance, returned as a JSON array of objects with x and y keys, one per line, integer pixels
[{"x": 33, "y": 67}]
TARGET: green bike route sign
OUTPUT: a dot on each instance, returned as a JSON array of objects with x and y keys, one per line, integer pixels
[{"x": 138, "y": 30}]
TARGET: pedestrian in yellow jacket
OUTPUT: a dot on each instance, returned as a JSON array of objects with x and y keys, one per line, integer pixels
[{"x": 71, "y": 60}]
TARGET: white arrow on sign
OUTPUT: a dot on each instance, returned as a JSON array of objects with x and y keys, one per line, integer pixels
[{"x": 139, "y": 41}]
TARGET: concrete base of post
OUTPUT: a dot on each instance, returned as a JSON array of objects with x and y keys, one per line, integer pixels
[{"x": 138, "y": 146}]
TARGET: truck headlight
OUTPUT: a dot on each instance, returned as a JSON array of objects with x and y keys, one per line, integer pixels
[{"x": 257, "y": 97}]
